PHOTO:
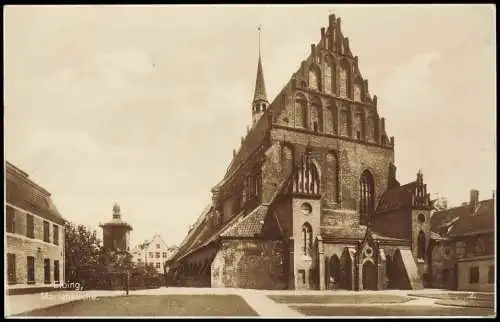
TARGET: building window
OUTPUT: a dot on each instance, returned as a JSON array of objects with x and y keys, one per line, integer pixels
[
  {"x": 306, "y": 239},
  {"x": 30, "y": 226},
  {"x": 491, "y": 275},
  {"x": 302, "y": 276},
  {"x": 158, "y": 265},
  {"x": 157, "y": 245},
  {"x": 301, "y": 112},
  {"x": 157, "y": 254},
  {"x": 10, "y": 220},
  {"x": 366, "y": 189},
  {"x": 46, "y": 231},
  {"x": 31, "y": 269},
  {"x": 56, "y": 272},
  {"x": 421, "y": 218},
  {"x": 46, "y": 271},
  {"x": 474, "y": 275},
  {"x": 151, "y": 255},
  {"x": 11, "y": 268},
  {"x": 421, "y": 245},
  {"x": 164, "y": 254},
  {"x": 56, "y": 235},
  {"x": 314, "y": 79},
  {"x": 344, "y": 123}
]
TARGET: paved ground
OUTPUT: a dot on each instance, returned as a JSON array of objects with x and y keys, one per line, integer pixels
[{"x": 260, "y": 301}]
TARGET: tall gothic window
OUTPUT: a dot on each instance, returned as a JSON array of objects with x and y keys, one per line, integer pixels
[
  {"x": 344, "y": 78},
  {"x": 344, "y": 123},
  {"x": 301, "y": 112},
  {"x": 421, "y": 245},
  {"x": 306, "y": 239},
  {"x": 370, "y": 128},
  {"x": 329, "y": 75},
  {"x": 317, "y": 117},
  {"x": 314, "y": 79},
  {"x": 366, "y": 187},
  {"x": 358, "y": 90}
]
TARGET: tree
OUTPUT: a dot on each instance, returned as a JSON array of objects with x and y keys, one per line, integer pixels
[{"x": 82, "y": 248}]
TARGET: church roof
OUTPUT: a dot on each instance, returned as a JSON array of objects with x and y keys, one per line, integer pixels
[
  {"x": 260, "y": 86},
  {"x": 22, "y": 192},
  {"x": 249, "y": 225},
  {"x": 397, "y": 197}
]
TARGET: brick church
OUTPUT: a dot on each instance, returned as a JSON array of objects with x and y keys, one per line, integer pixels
[{"x": 310, "y": 199}]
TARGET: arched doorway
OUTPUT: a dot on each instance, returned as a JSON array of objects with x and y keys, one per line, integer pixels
[
  {"x": 346, "y": 270},
  {"x": 334, "y": 269},
  {"x": 369, "y": 276}
]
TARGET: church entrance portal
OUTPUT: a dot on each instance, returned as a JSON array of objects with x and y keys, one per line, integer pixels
[{"x": 369, "y": 276}]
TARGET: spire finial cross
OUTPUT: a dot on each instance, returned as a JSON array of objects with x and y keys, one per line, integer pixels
[{"x": 259, "y": 29}]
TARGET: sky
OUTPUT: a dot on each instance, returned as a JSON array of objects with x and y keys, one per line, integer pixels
[{"x": 143, "y": 105}]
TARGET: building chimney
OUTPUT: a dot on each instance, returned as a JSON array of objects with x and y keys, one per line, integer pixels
[{"x": 474, "y": 200}]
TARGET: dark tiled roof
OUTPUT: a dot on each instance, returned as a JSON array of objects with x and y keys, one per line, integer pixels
[
  {"x": 25, "y": 194},
  {"x": 254, "y": 139},
  {"x": 193, "y": 234},
  {"x": 445, "y": 218},
  {"x": 396, "y": 197},
  {"x": 482, "y": 221},
  {"x": 249, "y": 225}
]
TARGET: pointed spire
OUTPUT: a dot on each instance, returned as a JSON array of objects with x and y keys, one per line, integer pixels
[
  {"x": 260, "y": 86},
  {"x": 260, "y": 103}
]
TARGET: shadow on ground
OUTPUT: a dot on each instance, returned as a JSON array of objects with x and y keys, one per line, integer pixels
[
  {"x": 340, "y": 299},
  {"x": 391, "y": 310},
  {"x": 158, "y": 305}
]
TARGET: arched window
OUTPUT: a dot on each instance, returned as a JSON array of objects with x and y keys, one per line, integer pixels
[
  {"x": 344, "y": 123},
  {"x": 421, "y": 245},
  {"x": 300, "y": 112},
  {"x": 370, "y": 128},
  {"x": 344, "y": 78},
  {"x": 250, "y": 187},
  {"x": 329, "y": 75},
  {"x": 366, "y": 191},
  {"x": 306, "y": 239},
  {"x": 358, "y": 90},
  {"x": 317, "y": 117},
  {"x": 357, "y": 126},
  {"x": 314, "y": 79}
]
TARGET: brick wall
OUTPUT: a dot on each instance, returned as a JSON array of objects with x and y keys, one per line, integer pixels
[
  {"x": 442, "y": 267},
  {"x": 353, "y": 157},
  {"x": 249, "y": 264}
]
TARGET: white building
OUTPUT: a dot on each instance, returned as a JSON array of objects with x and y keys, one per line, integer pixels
[
  {"x": 155, "y": 253},
  {"x": 34, "y": 234}
]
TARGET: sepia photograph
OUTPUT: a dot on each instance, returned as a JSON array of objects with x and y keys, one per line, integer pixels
[{"x": 250, "y": 160}]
